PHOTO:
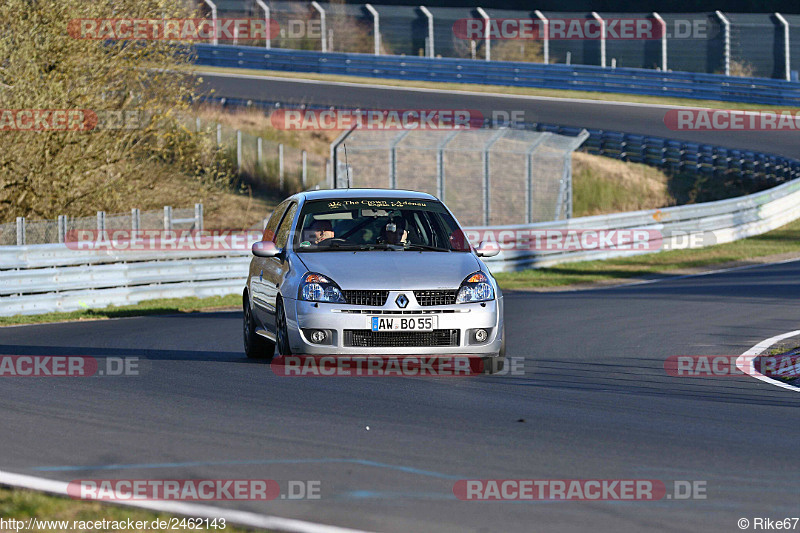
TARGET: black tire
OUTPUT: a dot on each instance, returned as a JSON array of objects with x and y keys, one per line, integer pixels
[
  {"x": 282, "y": 330},
  {"x": 255, "y": 346}
]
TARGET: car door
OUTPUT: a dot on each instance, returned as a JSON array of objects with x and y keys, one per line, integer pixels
[
  {"x": 275, "y": 268},
  {"x": 257, "y": 288}
]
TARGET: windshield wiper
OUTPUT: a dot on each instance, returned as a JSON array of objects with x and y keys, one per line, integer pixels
[{"x": 426, "y": 247}]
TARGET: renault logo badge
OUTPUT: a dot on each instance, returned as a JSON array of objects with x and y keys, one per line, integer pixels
[{"x": 401, "y": 301}]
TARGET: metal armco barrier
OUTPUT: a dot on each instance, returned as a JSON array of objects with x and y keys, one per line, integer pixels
[
  {"x": 44, "y": 278},
  {"x": 575, "y": 77}
]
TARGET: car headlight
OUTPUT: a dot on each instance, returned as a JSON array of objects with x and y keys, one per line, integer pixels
[
  {"x": 318, "y": 288},
  {"x": 475, "y": 288}
]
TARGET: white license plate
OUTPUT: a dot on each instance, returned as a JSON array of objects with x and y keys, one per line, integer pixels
[{"x": 402, "y": 323}]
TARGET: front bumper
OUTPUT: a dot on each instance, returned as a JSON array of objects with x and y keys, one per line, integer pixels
[{"x": 335, "y": 319}]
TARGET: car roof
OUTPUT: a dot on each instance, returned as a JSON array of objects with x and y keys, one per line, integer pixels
[{"x": 327, "y": 194}]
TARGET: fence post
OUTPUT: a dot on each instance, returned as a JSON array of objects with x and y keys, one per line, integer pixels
[
  {"x": 663, "y": 40},
  {"x": 529, "y": 175},
  {"x": 546, "y": 33},
  {"x": 487, "y": 198},
  {"x": 265, "y": 7},
  {"x": 259, "y": 151},
  {"x": 727, "y": 36},
  {"x": 280, "y": 164},
  {"x": 62, "y": 228},
  {"x": 304, "y": 174},
  {"x": 213, "y": 7},
  {"x": 219, "y": 135},
  {"x": 167, "y": 218},
  {"x": 429, "y": 15},
  {"x": 602, "y": 22},
  {"x": 440, "y": 183},
  {"x": 328, "y": 177},
  {"x": 787, "y": 68},
  {"x": 323, "y": 26},
  {"x": 20, "y": 231},
  {"x": 197, "y": 125},
  {"x": 239, "y": 151},
  {"x": 487, "y": 41},
  {"x": 393, "y": 158},
  {"x": 198, "y": 217},
  {"x": 376, "y": 28},
  {"x": 101, "y": 221},
  {"x": 334, "y": 164},
  {"x": 136, "y": 219}
]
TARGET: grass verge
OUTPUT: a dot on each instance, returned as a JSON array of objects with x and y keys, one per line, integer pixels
[
  {"x": 149, "y": 307},
  {"x": 21, "y": 504},
  {"x": 774, "y": 245},
  {"x": 499, "y": 89}
]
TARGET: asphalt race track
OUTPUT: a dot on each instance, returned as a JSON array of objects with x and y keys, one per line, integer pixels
[
  {"x": 632, "y": 118},
  {"x": 595, "y": 402}
]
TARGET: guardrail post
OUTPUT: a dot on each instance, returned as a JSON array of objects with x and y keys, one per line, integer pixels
[
  {"x": 787, "y": 68},
  {"x": 602, "y": 22},
  {"x": 239, "y": 151},
  {"x": 167, "y": 218},
  {"x": 265, "y": 7},
  {"x": 545, "y": 36},
  {"x": 136, "y": 219},
  {"x": 304, "y": 174},
  {"x": 198, "y": 217},
  {"x": 376, "y": 28},
  {"x": 101, "y": 221},
  {"x": 213, "y": 7},
  {"x": 280, "y": 165},
  {"x": 429, "y": 49},
  {"x": 20, "y": 231},
  {"x": 322, "y": 25},
  {"x": 663, "y": 40},
  {"x": 487, "y": 41},
  {"x": 62, "y": 228},
  {"x": 727, "y": 36}
]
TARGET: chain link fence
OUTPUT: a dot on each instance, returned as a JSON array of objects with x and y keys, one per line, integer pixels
[
  {"x": 486, "y": 176},
  {"x": 695, "y": 41}
]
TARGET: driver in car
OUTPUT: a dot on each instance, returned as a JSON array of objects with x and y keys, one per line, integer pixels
[
  {"x": 318, "y": 231},
  {"x": 395, "y": 232}
]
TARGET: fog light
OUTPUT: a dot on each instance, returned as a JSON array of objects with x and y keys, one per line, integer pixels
[
  {"x": 481, "y": 335},
  {"x": 318, "y": 336}
]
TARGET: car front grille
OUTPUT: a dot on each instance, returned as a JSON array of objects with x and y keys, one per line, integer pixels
[
  {"x": 366, "y": 338},
  {"x": 436, "y": 297},
  {"x": 371, "y": 298}
]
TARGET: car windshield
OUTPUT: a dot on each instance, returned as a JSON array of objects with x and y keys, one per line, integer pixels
[{"x": 378, "y": 224}]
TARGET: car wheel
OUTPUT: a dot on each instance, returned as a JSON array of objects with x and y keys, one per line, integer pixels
[
  {"x": 282, "y": 330},
  {"x": 255, "y": 346}
]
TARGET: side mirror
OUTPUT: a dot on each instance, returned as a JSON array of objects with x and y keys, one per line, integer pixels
[
  {"x": 487, "y": 250},
  {"x": 265, "y": 249}
]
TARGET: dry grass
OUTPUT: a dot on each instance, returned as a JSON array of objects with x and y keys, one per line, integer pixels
[{"x": 604, "y": 185}]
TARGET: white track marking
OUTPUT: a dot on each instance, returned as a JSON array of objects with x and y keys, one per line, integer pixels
[
  {"x": 745, "y": 361},
  {"x": 243, "y": 518}
]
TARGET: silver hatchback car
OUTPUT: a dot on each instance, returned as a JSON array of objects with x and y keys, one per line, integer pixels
[{"x": 370, "y": 272}]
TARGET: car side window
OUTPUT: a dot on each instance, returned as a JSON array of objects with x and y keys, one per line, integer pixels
[
  {"x": 282, "y": 236},
  {"x": 272, "y": 224}
]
